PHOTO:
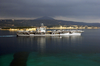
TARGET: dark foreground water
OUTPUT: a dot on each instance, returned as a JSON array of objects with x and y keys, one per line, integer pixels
[{"x": 81, "y": 50}]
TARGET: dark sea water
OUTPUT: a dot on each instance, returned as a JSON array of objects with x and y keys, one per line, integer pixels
[{"x": 81, "y": 50}]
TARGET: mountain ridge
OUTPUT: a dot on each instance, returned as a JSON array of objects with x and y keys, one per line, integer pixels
[
  {"x": 45, "y": 18},
  {"x": 48, "y": 21}
]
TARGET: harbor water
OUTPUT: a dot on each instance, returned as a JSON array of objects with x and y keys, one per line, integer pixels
[{"x": 81, "y": 50}]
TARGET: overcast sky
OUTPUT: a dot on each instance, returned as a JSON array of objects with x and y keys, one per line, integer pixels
[{"x": 70, "y": 10}]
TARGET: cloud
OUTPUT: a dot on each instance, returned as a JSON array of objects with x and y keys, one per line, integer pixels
[{"x": 73, "y": 9}]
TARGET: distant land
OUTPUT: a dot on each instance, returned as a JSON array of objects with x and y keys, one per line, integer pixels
[{"x": 48, "y": 21}]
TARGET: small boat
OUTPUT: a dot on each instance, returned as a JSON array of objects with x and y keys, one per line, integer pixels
[{"x": 41, "y": 31}]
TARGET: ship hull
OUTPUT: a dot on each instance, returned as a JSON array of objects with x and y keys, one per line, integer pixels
[{"x": 64, "y": 34}]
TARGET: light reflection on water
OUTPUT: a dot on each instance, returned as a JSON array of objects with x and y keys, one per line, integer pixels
[
  {"x": 52, "y": 44},
  {"x": 41, "y": 44},
  {"x": 53, "y": 51}
]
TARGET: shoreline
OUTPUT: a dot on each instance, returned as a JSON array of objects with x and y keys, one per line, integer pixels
[{"x": 34, "y": 29}]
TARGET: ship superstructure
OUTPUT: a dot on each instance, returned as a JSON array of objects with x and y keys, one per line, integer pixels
[{"x": 41, "y": 31}]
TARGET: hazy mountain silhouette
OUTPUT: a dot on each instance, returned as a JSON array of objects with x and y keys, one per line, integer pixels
[
  {"x": 48, "y": 21},
  {"x": 45, "y": 18}
]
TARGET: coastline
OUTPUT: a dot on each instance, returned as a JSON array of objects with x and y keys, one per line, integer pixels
[{"x": 34, "y": 29}]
